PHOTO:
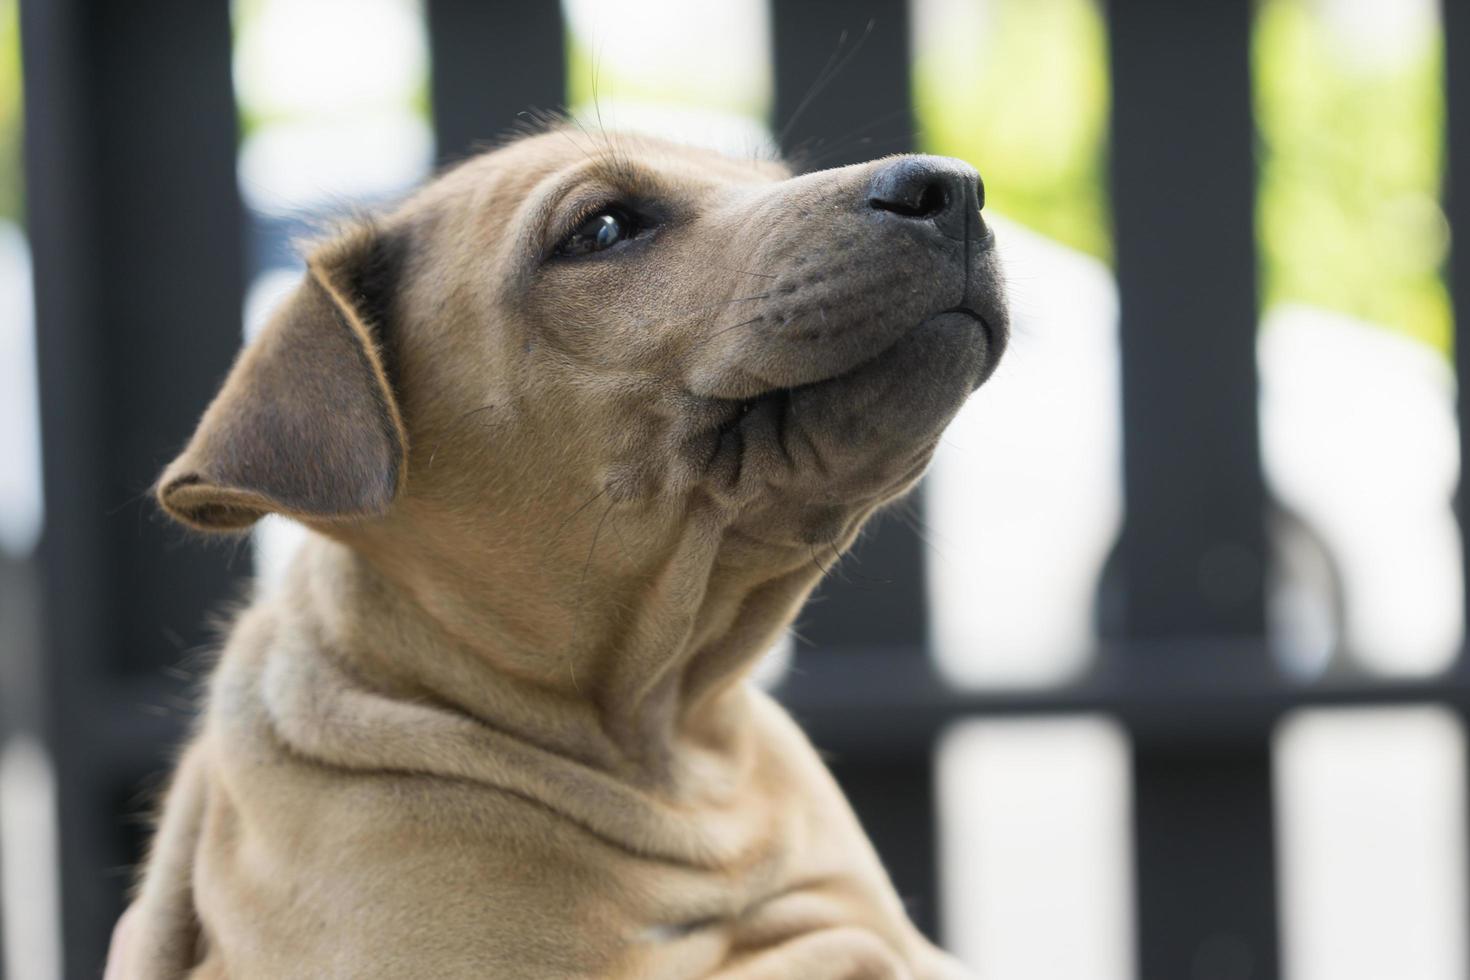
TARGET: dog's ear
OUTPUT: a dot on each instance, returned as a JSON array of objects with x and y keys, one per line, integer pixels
[{"x": 306, "y": 424}]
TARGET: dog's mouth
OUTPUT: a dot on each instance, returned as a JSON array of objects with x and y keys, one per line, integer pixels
[
  {"x": 795, "y": 427},
  {"x": 782, "y": 394}
]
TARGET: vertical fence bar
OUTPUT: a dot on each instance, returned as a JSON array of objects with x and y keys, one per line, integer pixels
[
  {"x": 1183, "y": 151},
  {"x": 1193, "y": 547},
  {"x": 843, "y": 95},
  {"x": 1457, "y": 209},
  {"x": 1204, "y": 832},
  {"x": 492, "y": 62},
  {"x": 1456, "y": 20},
  {"x": 136, "y": 229}
]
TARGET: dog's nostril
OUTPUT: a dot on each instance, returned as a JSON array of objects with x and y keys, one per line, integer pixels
[
  {"x": 912, "y": 200},
  {"x": 926, "y": 187},
  {"x": 932, "y": 200}
]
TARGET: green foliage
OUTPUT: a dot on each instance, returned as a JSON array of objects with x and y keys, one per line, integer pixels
[
  {"x": 12, "y": 185},
  {"x": 1020, "y": 89},
  {"x": 1351, "y": 158}
]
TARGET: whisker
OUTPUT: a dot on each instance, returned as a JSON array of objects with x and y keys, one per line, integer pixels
[
  {"x": 897, "y": 142},
  {"x": 811, "y": 93},
  {"x": 906, "y": 513},
  {"x": 850, "y": 575},
  {"x": 832, "y": 69},
  {"x": 704, "y": 309},
  {"x": 596, "y": 101},
  {"x": 725, "y": 330},
  {"x": 809, "y": 151},
  {"x": 474, "y": 411},
  {"x": 135, "y": 498},
  {"x": 813, "y": 553},
  {"x": 572, "y": 516},
  {"x": 746, "y": 272}
]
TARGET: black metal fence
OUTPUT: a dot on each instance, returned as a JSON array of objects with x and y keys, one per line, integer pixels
[{"x": 138, "y": 235}]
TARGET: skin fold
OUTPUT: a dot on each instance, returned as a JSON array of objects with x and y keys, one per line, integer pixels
[{"x": 497, "y": 723}]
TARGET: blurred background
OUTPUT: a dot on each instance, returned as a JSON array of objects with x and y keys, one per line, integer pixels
[{"x": 1159, "y": 676}]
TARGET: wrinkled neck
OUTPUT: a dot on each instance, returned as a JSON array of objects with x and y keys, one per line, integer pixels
[{"x": 617, "y": 667}]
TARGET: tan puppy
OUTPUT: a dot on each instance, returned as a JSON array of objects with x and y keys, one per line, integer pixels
[{"x": 570, "y": 426}]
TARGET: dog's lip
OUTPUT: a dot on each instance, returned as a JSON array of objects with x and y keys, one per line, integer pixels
[
  {"x": 776, "y": 392},
  {"x": 772, "y": 413},
  {"x": 992, "y": 334},
  {"x": 970, "y": 312},
  {"x": 995, "y": 337}
]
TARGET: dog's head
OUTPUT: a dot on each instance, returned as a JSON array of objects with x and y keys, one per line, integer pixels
[{"x": 574, "y": 318}]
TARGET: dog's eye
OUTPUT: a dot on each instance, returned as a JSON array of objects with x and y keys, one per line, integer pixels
[{"x": 601, "y": 231}]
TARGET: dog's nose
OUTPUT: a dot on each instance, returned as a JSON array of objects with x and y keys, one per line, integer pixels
[{"x": 925, "y": 188}]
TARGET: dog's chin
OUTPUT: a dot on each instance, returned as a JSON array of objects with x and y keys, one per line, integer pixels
[{"x": 867, "y": 428}]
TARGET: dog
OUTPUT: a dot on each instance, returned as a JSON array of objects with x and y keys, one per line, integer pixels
[{"x": 568, "y": 427}]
